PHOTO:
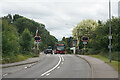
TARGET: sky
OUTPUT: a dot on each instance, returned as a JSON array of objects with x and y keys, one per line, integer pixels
[{"x": 59, "y": 16}]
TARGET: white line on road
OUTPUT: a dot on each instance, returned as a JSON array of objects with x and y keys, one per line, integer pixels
[
  {"x": 48, "y": 74},
  {"x": 52, "y": 68},
  {"x": 25, "y": 67},
  {"x": 5, "y": 74},
  {"x": 58, "y": 67},
  {"x": 62, "y": 58}
]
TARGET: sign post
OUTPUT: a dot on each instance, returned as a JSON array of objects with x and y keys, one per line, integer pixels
[
  {"x": 74, "y": 45},
  {"x": 85, "y": 39},
  {"x": 84, "y": 47},
  {"x": 36, "y": 41},
  {"x": 110, "y": 37}
]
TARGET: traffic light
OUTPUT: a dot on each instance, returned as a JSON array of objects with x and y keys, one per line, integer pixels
[
  {"x": 85, "y": 38},
  {"x": 37, "y": 38}
]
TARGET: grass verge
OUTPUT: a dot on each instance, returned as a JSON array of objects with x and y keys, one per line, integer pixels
[
  {"x": 17, "y": 58},
  {"x": 114, "y": 64}
]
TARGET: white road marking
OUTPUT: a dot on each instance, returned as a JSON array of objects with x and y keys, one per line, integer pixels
[
  {"x": 62, "y": 58},
  {"x": 52, "y": 68},
  {"x": 62, "y": 63},
  {"x": 25, "y": 67},
  {"x": 58, "y": 67},
  {"x": 48, "y": 74},
  {"x": 5, "y": 74}
]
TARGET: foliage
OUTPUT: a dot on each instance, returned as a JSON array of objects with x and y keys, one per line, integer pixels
[
  {"x": 68, "y": 50},
  {"x": 23, "y": 23},
  {"x": 18, "y": 36},
  {"x": 68, "y": 43},
  {"x": 98, "y": 33},
  {"x": 41, "y": 46},
  {"x": 9, "y": 39},
  {"x": 26, "y": 41},
  {"x": 84, "y": 28}
]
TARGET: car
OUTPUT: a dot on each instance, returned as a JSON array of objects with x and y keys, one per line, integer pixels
[
  {"x": 49, "y": 50},
  {"x": 45, "y": 51}
]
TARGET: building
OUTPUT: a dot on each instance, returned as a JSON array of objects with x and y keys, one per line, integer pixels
[{"x": 119, "y": 8}]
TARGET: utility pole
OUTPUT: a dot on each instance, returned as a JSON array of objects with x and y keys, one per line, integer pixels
[
  {"x": 119, "y": 9},
  {"x": 110, "y": 37}
]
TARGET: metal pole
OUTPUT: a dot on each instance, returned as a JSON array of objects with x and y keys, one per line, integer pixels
[
  {"x": 74, "y": 50},
  {"x": 110, "y": 30},
  {"x": 77, "y": 39},
  {"x": 37, "y": 48},
  {"x": 84, "y": 49}
]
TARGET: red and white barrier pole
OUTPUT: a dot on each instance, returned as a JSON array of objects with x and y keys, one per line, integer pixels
[{"x": 36, "y": 31}]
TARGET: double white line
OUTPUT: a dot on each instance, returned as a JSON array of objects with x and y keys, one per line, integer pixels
[{"x": 48, "y": 72}]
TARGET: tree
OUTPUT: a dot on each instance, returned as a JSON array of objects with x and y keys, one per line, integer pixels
[
  {"x": 26, "y": 41},
  {"x": 64, "y": 39},
  {"x": 21, "y": 23},
  {"x": 16, "y": 16},
  {"x": 9, "y": 39},
  {"x": 84, "y": 28},
  {"x": 8, "y": 18}
]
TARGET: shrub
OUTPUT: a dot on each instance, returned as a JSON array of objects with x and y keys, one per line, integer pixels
[
  {"x": 20, "y": 57},
  {"x": 91, "y": 51}
]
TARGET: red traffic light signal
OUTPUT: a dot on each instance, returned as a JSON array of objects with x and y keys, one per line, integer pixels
[
  {"x": 85, "y": 38},
  {"x": 37, "y": 38}
]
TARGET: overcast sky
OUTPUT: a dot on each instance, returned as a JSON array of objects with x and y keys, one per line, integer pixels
[{"x": 59, "y": 16}]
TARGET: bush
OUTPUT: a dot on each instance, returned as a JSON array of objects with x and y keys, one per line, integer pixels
[
  {"x": 26, "y": 41},
  {"x": 68, "y": 51},
  {"x": 114, "y": 55},
  {"x": 20, "y": 57},
  {"x": 91, "y": 51}
]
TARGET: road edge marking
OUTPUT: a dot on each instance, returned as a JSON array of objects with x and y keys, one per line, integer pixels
[
  {"x": 62, "y": 58},
  {"x": 53, "y": 67},
  {"x": 91, "y": 67}
]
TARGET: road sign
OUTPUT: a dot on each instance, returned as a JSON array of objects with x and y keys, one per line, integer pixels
[
  {"x": 37, "y": 38},
  {"x": 84, "y": 38},
  {"x": 74, "y": 42},
  {"x": 110, "y": 37},
  {"x": 84, "y": 42}
]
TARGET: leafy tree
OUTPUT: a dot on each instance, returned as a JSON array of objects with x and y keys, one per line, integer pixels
[
  {"x": 9, "y": 39},
  {"x": 16, "y": 16},
  {"x": 64, "y": 39},
  {"x": 23, "y": 30},
  {"x": 8, "y": 18},
  {"x": 84, "y": 28},
  {"x": 26, "y": 41},
  {"x": 22, "y": 23},
  {"x": 99, "y": 33}
]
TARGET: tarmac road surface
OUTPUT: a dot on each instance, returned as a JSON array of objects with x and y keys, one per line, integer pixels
[{"x": 52, "y": 66}]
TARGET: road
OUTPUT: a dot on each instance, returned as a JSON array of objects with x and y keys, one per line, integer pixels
[{"x": 52, "y": 66}]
